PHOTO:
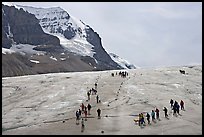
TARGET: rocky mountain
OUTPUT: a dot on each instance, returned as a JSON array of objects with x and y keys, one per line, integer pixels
[{"x": 44, "y": 40}]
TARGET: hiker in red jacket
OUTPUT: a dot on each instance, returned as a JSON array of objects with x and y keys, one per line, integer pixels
[{"x": 182, "y": 105}]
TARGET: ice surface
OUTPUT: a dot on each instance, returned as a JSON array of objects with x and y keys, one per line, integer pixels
[{"x": 38, "y": 104}]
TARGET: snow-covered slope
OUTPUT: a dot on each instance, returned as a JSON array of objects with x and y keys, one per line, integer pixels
[
  {"x": 57, "y": 22},
  {"x": 46, "y": 104},
  {"x": 122, "y": 62}
]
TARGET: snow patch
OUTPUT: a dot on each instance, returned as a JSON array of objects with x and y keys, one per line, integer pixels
[
  {"x": 9, "y": 51},
  {"x": 53, "y": 58},
  {"x": 62, "y": 59},
  {"x": 35, "y": 61},
  {"x": 122, "y": 62}
]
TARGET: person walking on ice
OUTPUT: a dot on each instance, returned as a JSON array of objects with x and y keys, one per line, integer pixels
[
  {"x": 165, "y": 112},
  {"x": 88, "y": 94},
  {"x": 148, "y": 118},
  {"x": 77, "y": 117},
  {"x": 153, "y": 115},
  {"x": 82, "y": 125},
  {"x": 82, "y": 107},
  {"x": 97, "y": 98},
  {"x": 171, "y": 102},
  {"x": 99, "y": 113},
  {"x": 85, "y": 114},
  {"x": 157, "y": 113},
  {"x": 95, "y": 86},
  {"x": 142, "y": 121},
  {"x": 175, "y": 108},
  {"x": 182, "y": 105},
  {"x": 89, "y": 108}
]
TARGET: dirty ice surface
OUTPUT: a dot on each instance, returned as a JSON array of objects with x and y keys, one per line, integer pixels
[{"x": 46, "y": 104}]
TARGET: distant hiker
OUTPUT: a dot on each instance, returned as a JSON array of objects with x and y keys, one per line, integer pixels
[
  {"x": 148, "y": 118},
  {"x": 82, "y": 107},
  {"x": 142, "y": 119},
  {"x": 89, "y": 108},
  {"x": 85, "y": 108},
  {"x": 165, "y": 112},
  {"x": 112, "y": 74},
  {"x": 95, "y": 85},
  {"x": 88, "y": 94},
  {"x": 85, "y": 114},
  {"x": 171, "y": 102},
  {"x": 77, "y": 117},
  {"x": 97, "y": 98},
  {"x": 91, "y": 91},
  {"x": 153, "y": 115},
  {"x": 82, "y": 125},
  {"x": 79, "y": 113},
  {"x": 174, "y": 110},
  {"x": 182, "y": 71},
  {"x": 177, "y": 108},
  {"x": 182, "y": 105},
  {"x": 99, "y": 112},
  {"x": 157, "y": 113}
]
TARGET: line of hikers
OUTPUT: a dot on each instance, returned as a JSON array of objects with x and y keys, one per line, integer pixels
[
  {"x": 174, "y": 106},
  {"x": 141, "y": 120},
  {"x": 86, "y": 109}
]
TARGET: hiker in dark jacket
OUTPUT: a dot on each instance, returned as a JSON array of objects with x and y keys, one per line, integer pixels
[
  {"x": 89, "y": 108},
  {"x": 171, "y": 102},
  {"x": 148, "y": 118},
  {"x": 99, "y": 112},
  {"x": 165, "y": 112}
]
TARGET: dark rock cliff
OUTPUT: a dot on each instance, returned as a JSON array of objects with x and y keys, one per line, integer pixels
[
  {"x": 104, "y": 60},
  {"x": 23, "y": 27}
]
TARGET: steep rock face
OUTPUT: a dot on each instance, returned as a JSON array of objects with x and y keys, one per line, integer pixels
[
  {"x": 22, "y": 27},
  {"x": 6, "y": 36},
  {"x": 102, "y": 56}
]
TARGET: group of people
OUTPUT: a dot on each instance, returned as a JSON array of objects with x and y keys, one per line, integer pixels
[
  {"x": 174, "y": 106},
  {"x": 86, "y": 109},
  {"x": 153, "y": 113},
  {"x": 81, "y": 111},
  {"x": 123, "y": 74},
  {"x": 93, "y": 91}
]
